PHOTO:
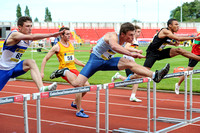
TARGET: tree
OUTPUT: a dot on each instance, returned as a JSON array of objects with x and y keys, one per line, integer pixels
[
  {"x": 190, "y": 12},
  {"x": 36, "y": 20},
  {"x": 47, "y": 15},
  {"x": 27, "y": 12},
  {"x": 18, "y": 14}
]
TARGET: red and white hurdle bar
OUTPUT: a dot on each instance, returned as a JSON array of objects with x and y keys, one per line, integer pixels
[{"x": 38, "y": 96}]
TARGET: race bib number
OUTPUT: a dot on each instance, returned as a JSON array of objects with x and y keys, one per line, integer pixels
[
  {"x": 69, "y": 57},
  {"x": 108, "y": 55},
  {"x": 17, "y": 55}
]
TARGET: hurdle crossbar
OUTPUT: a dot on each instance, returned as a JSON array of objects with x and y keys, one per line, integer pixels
[
  {"x": 38, "y": 96},
  {"x": 19, "y": 98}
]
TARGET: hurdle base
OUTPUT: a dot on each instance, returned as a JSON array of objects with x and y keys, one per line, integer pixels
[
  {"x": 169, "y": 120},
  {"x": 194, "y": 110},
  {"x": 126, "y": 130},
  {"x": 176, "y": 126},
  {"x": 195, "y": 120}
]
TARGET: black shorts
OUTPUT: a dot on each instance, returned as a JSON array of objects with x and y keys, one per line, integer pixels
[
  {"x": 128, "y": 72},
  {"x": 192, "y": 62},
  {"x": 152, "y": 56}
]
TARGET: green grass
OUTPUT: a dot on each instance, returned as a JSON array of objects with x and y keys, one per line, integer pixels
[{"x": 102, "y": 77}]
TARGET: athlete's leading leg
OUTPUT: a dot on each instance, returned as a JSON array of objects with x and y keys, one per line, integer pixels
[
  {"x": 180, "y": 51},
  {"x": 140, "y": 70},
  {"x": 31, "y": 65},
  {"x": 134, "y": 67}
]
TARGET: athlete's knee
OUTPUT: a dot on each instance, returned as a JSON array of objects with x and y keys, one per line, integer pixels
[
  {"x": 87, "y": 84},
  {"x": 130, "y": 64},
  {"x": 179, "y": 51},
  {"x": 30, "y": 62}
]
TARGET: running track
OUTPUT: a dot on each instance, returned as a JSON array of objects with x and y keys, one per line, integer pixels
[{"x": 58, "y": 116}]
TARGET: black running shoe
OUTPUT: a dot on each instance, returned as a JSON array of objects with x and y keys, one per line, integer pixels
[
  {"x": 159, "y": 74},
  {"x": 58, "y": 73}
]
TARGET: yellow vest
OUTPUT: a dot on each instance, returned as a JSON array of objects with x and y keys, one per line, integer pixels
[{"x": 66, "y": 56}]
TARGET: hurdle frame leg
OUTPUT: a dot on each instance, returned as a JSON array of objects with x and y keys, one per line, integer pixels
[
  {"x": 25, "y": 110},
  {"x": 106, "y": 108},
  {"x": 99, "y": 87},
  {"x": 154, "y": 106},
  {"x": 38, "y": 115}
]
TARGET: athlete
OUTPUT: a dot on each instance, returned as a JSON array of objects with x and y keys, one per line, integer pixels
[
  {"x": 102, "y": 57},
  {"x": 14, "y": 47},
  {"x": 64, "y": 51},
  {"x": 166, "y": 36},
  {"x": 192, "y": 63},
  {"x": 134, "y": 45}
]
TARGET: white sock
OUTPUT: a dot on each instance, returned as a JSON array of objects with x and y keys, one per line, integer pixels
[
  {"x": 118, "y": 76},
  {"x": 153, "y": 75},
  {"x": 65, "y": 72},
  {"x": 44, "y": 88},
  {"x": 133, "y": 95}
]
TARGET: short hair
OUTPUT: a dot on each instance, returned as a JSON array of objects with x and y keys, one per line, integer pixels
[
  {"x": 125, "y": 27},
  {"x": 23, "y": 19},
  {"x": 137, "y": 27},
  {"x": 170, "y": 21},
  {"x": 64, "y": 28}
]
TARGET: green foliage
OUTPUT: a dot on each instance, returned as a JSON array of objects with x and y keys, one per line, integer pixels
[
  {"x": 27, "y": 13},
  {"x": 47, "y": 15},
  {"x": 102, "y": 77},
  {"x": 190, "y": 12},
  {"x": 36, "y": 20},
  {"x": 19, "y": 13}
]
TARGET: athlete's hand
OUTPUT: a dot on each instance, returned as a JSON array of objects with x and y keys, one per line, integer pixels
[
  {"x": 58, "y": 33},
  {"x": 140, "y": 51},
  {"x": 138, "y": 56}
]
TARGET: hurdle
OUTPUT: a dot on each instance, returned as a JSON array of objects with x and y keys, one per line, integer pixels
[
  {"x": 193, "y": 109},
  {"x": 178, "y": 122},
  {"x": 38, "y": 96},
  {"x": 124, "y": 83},
  {"x": 19, "y": 98}
]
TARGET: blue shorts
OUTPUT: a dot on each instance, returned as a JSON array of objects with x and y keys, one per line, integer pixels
[
  {"x": 98, "y": 64},
  {"x": 7, "y": 74}
]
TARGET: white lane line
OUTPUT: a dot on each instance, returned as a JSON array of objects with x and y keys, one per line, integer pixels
[{"x": 49, "y": 121}]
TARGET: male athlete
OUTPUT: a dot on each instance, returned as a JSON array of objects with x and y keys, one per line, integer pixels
[
  {"x": 64, "y": 51},
  {"x": 14, "y": 47}
]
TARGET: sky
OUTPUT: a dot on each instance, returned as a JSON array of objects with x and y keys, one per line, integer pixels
[{"x": 92, "y": 10}]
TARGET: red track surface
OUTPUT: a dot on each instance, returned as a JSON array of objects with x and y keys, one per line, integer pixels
[{"x": 58, "y": 116}]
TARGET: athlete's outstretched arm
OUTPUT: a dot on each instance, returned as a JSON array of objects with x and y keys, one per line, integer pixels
[{"x": 51, "y": 52}]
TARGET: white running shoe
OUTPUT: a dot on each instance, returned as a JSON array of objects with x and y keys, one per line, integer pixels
[
  {"x": 134, "y": 99},
  {"x": 177, "y": 87},
  {"x": 116, "y": 76},
  {"x": 51, "y": 87}
]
